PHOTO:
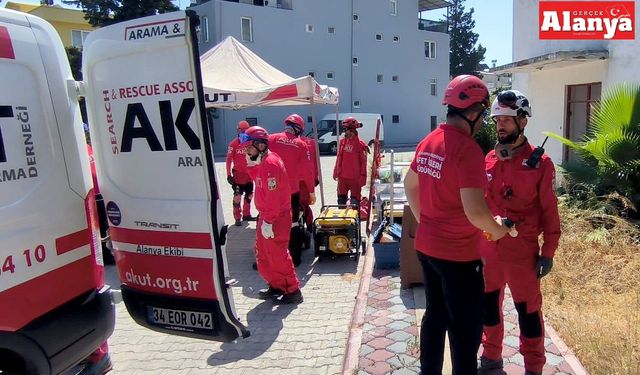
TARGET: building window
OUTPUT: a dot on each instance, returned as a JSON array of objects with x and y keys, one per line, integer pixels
[
  {"x": 309, "y": 119},
  {"x": 393, "y": 7},
  {"x": 396, "y": 39},
  {"x": 205, "y": 29},
  {"x": 434, "y": 87},
  {"x": 331, "y": 30},
  {"x": 356, "y": 104},
  {"x": 247, "y": 29},
  {"x": 312, "y": 74},
  {"x": 395, "y": 79},
  {"x": 395, "y": 119},
  {"x": 434, "y": 122},
  {"x": 379, "y": 78},
  {"x": 78, "y": 37},
  {"x": 429, "y": 49},
  {"x": 308, "y": 28},
  {"x": 253, "y": 121},
  {"x": 354, "y": 61},
  {"x": 355, "y": 17},
  {"x": 580, "y": 100},
  {"x": 329, "y": 75},
  {"x": 379, "y": 36}
]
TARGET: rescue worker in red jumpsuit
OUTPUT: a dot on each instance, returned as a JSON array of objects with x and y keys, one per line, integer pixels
[
  {"x": 521, "y": 187},
  {"x": 445, "y": 190},
  {"x": 273, "y": 202},
  {"x": 238, "y": 177},
  {"x": 351, "y": 164},
  {"x": 305, "y": 197},
  {"x": 99, "y": 362},
  {"x": 297, "y": 160}
]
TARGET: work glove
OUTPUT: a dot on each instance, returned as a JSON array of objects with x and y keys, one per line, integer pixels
[
  {"x": 543, "y": 266},
  {"x": 363, "y": 180},
  {"x": 312, "y": 199},
  {"x": 230, "y": 179},
  {"x": 267, "y": 230},
  {"x": 335, "y": 176}
]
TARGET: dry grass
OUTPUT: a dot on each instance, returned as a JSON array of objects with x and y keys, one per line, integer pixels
[{"x": 592, "y": 297}]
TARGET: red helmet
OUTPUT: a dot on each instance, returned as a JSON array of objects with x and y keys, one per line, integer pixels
[
  {"x": 464, "y": 91},
  {"x": 296, "y": 120},
  {"x": 243, "y": 125},
  {"x": 254, "y": 134},
  {"x": 351, "y": 123}
]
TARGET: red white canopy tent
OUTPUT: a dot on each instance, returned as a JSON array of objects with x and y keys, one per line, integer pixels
[{"x": 235, "y": 78}]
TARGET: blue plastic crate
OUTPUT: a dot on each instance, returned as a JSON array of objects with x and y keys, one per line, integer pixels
[{"x": 387, "y": 255}]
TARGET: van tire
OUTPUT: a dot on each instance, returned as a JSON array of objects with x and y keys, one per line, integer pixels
[
  {"x": 11, "y": 363},
  {"x": 333, "y": 148}
]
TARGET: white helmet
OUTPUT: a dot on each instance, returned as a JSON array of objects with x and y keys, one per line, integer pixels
[{"x": 511, "y": 103}]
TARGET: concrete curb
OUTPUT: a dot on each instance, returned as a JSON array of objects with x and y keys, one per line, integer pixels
[
  {"x": 568, "y": 355},
  {"x": 352, "y": 352}
]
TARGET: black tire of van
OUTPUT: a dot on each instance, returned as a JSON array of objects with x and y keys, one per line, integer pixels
[{"x": 43, "y": 346}]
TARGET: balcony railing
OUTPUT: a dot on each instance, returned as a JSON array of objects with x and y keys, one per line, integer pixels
[{"x": 430, "y": 25}]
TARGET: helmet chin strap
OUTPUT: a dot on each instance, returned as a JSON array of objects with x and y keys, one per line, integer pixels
[{"x": 471, "y": 123}]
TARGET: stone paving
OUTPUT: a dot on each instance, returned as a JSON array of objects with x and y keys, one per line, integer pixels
[
  {"x": 309, "y": 339},
  {"x": 354, "y": 320},
  {"x": 390, "y": 338}
]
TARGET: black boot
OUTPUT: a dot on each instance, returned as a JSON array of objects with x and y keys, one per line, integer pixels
[
  {"x": 269, "y": 293},
  {"x": 490, "y": 366},
  {"x": 290, "y": 299},
  {"x": 248, "y": 218}
]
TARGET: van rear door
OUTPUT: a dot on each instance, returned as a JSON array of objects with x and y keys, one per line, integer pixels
[{"x": 153, "y": 153}]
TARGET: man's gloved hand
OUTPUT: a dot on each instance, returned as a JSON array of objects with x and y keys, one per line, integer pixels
[
  {"x": 543, "y": 266},
  {"x": 312, "y": 199},
  {"x": 363, "y": 180},
  {"x": 267, "y": 230},
  {"x": 335, "y": 177},
  {"x": 230, "y": 179}
]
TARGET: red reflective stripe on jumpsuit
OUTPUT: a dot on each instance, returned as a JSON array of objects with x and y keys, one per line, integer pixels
[
  {"x": 273, "y": 201},
  {"x": 526, "y": 196}
]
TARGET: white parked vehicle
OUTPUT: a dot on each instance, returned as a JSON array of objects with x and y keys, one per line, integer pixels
[
  {"x": 327, "y": 135},
  {"x": 155, "y": 167}
]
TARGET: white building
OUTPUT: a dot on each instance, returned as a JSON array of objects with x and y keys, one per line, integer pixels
[
  {"x": 380, "y": 55},
  {"x": 562, "y": 78}
]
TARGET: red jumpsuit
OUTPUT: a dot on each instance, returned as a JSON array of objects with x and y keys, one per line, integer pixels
[
  {"x": 297, "y": 160},
  {"x": 351, "y": 168},
  {"x": 99, "y": 354},
  {"x": 526, "y": 196},
  {"x": 273, "y": 202},
  {"x": 242, "y": 183},
  {"x": 305, "y": 198}
]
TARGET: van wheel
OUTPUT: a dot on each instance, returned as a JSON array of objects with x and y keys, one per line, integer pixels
[
  {"x": 333, "y": 148},
  {"x": 11, "y": 363}
]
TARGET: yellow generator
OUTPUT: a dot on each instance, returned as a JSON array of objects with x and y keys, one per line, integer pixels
[{"x": 336, "y": 231}]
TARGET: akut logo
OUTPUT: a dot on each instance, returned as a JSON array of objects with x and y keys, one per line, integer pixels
[{"x": 587, "y": 19}]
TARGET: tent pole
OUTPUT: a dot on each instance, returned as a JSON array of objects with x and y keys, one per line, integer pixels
[{"x": 315, "y": 136}]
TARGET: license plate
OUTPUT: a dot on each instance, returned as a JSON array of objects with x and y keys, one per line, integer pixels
[{"x": 180, "y": 318}]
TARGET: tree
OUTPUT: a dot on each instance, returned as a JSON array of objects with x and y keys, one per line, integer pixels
[
  {"x": 464, "y": 56},
  {"x": 106, "y": 12}
]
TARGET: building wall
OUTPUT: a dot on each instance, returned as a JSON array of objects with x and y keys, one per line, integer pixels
[
  {"x": 64, "y": 20},
  {"x": 547, "y": 88},
  {"x": 280, "y": 38}
]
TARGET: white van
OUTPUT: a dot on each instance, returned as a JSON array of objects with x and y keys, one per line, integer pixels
[
  {"x": 54, "y": 307},
  {"x": 327, "y": 141},
  {"x": 152, "y": 150}
]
